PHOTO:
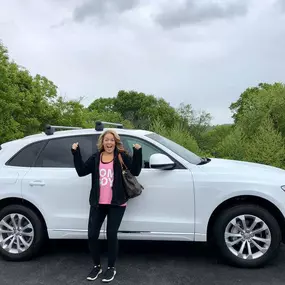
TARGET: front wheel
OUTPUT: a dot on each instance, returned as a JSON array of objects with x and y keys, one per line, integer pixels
[
  {"x": 22, "y": 233},
  {"x": 247, "y": 236}
]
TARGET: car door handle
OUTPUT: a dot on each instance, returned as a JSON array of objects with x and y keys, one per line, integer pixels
[{"x": 37, "y": 183}]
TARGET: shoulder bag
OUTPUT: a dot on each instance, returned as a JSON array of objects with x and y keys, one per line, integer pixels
[{"x": 132, "y": 187}]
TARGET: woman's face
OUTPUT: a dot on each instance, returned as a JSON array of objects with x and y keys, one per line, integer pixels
[{"x": 109, "y": 143}]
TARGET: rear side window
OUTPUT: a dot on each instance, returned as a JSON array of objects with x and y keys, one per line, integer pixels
[
  {"x": 57, "y": 152},
  {"x": 27, "y": 156}
]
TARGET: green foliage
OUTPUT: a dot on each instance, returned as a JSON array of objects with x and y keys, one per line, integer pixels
[
  {"x": 8, "y": 126},
  {"x": 232, "y": 146},
  {"x": 177, "y": 133},
  {"x": 211, "y": 138},
  {"x": 108, "y": 117},
  {"x": 198, "y": 123},
  {"x": 102, "y": 105},
  {"x": 266, "y": 146},
  {"x": 244, "y": 103},
  {"x": 71, "y": 113},
  {"x": 142, "y": 109},
  {"x": 259, "y": 129},
  {"x": 27, "y": 103},
  {"x": 269, "y": 102},
  {"x": 136, "y": 109}
]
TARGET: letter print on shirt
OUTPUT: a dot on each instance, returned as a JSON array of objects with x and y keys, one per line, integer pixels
[
  {"x": 106, "y": 182},
  {"x": 106, "y": 177}
]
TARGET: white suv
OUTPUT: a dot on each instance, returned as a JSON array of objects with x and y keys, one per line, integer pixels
[{"x": 238, "y": 207}]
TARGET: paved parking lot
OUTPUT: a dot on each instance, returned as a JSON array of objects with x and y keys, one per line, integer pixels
[{"x": 68, "y": 262}]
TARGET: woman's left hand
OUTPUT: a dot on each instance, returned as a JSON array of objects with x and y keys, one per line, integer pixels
[{"x": 137, "y": 146}]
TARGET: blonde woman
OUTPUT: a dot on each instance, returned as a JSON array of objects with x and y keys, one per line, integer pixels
[{"x": 107, "y": 196}]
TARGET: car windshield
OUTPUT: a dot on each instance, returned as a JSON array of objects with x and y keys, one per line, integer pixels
[{"x": 176, "y": 148}]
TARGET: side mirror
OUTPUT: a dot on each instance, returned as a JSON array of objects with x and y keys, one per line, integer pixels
[{"x": 161, "y": 161}]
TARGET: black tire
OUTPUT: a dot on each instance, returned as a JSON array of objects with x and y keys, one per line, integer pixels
[
  {"x": 247, "y": 209},
  {"x": 39, "y": 233}
]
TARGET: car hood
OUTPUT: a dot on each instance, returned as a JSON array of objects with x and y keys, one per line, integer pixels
[{"x": 241, "y": 167}]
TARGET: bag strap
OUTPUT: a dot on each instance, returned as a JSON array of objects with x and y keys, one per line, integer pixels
[{"x": 121, "y": 161}]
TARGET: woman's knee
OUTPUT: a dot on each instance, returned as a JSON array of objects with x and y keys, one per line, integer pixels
[
  {"x": 93, "y": 230},
  {"x": 112, "y": 233},
  {"x": 93, "y": 234}
]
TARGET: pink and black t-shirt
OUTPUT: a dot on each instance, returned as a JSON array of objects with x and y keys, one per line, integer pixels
[{"x": 106, "y": 178}]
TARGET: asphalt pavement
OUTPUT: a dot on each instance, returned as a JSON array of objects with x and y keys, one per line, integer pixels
[{"x": 157, "y": 263}]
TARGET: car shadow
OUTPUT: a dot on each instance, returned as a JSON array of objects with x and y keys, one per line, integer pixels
[
  {"x": 192, "y": 252},
  {"x": 137, "y": 248}
]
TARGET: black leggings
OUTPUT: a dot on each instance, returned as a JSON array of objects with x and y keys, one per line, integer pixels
[{"x": 96, "y": 218}]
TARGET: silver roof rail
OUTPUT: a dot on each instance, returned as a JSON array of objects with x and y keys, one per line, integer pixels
[
  {"x": 50, "y": 129},
  {"x": 99, "y": 125}
]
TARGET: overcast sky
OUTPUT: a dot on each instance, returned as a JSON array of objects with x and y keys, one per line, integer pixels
[{"x": 202, "y": 52}]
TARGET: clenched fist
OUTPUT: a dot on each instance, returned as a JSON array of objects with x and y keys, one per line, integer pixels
[
  {"x": 75, "y": 146},
  {"x": 137, "y": 146}
]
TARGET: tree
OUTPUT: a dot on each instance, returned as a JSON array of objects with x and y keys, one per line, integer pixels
[
  {"x": 178, "y": 134},
  {"x": 27, "y": 103},
  {"x": 239, "y": 106},
  {"x": 266, "y": 146},
  {"x": 103, "y": 109},
  {"x": 258, "y": 133},
  {"x": 71, "y": 113},
  {"x": 143, "y": 109},
  {"x": 198, "y": 122},
  {"x": 133, "y": 107},
  {"x": 232, "y": 146},
  {"x": 267, "y": 102},
  {"x": 8, "y": 125},
  {"x": 138, "y": 108},
  {"x": 102, "y": 105},
  {"x": 210, "y": 139}
]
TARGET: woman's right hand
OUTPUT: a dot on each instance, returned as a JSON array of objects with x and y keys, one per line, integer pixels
[{"x": 75, "y": 146}]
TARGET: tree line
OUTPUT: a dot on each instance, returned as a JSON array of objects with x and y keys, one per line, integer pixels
[{"x": 28, "y": 103}]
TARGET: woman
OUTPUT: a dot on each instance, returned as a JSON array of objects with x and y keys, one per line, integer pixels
[{"x": 107, "y": 196}]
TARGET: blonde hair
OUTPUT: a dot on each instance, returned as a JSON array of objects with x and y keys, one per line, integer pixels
[{"x": 118, "y": 141}]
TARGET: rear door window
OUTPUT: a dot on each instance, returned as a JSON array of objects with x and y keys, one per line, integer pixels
[
  {"x": 57, "y": 152},
  {"x": 27, "y": 156}
]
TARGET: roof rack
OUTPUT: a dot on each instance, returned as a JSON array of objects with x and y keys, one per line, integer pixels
[
  {"x": 49, "y": 129},
  {"x": 99, "y": 125}
]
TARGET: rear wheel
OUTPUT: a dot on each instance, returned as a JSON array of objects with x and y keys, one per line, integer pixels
[
  {"x": 22, "y": 233},
  {"x": 247, "y": 236}
]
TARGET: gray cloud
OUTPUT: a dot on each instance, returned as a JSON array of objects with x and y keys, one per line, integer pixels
[
  {"x": 99, "y": 8},
  {"x": 282, "y": 5},
  {"x": 192, "y": 12},
  {"x": 208, "y": 67}
]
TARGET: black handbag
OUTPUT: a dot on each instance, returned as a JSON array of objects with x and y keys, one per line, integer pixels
[{"x": 132, "y": 187}]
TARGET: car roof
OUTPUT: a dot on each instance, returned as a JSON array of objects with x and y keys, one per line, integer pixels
[{"x": 59, "y": 134}]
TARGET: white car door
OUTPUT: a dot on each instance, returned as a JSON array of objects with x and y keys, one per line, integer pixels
[
  {"x": 53, "y": 185},
  {"x": 13, "y": 169},
  {"x": 165, "y": 209}
]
